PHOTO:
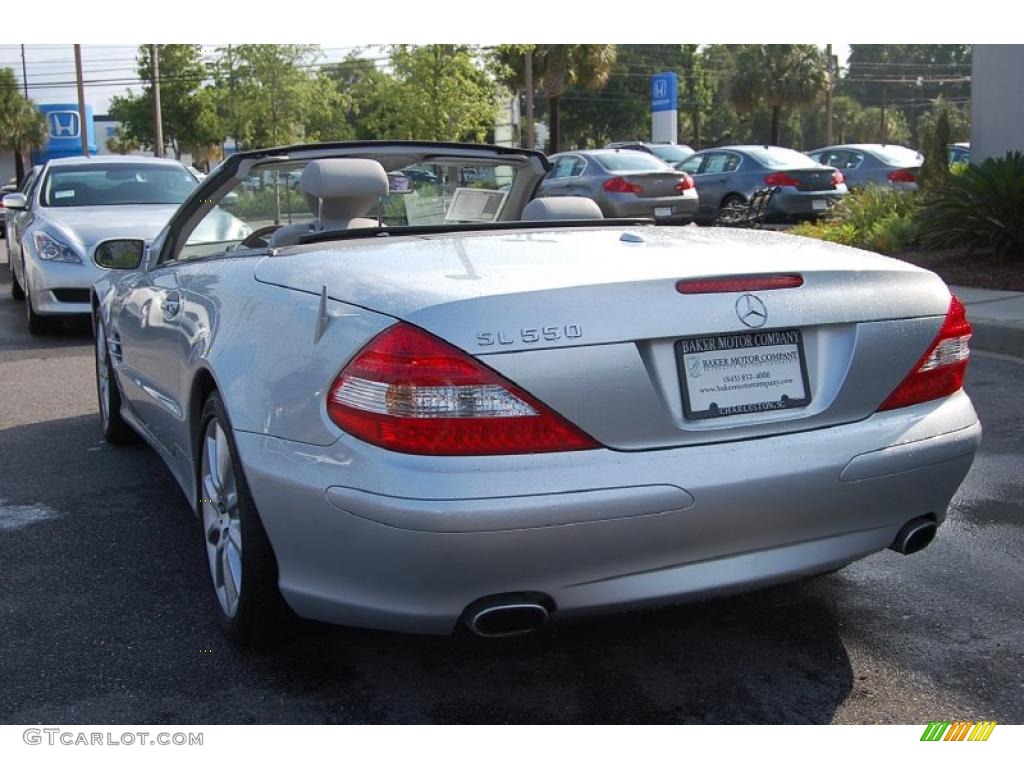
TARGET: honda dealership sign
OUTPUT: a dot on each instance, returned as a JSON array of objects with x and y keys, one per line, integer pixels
[
  {"x": 65, "y": 129},
  {"x": 664, "y": 107}
]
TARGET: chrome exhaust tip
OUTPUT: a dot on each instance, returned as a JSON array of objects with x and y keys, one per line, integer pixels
[
  {"x": 506, "y": 619},
  {"x": 914, "y": 536}
]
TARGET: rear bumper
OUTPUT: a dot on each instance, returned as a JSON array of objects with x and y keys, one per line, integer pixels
[
  {"x": 788, "y": 202},
  {"x": 683, "y": 207},
  {"x": 370, "y": 538}
]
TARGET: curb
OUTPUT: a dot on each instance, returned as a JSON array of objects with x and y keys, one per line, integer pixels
[{"x": 1001, "y": 338}]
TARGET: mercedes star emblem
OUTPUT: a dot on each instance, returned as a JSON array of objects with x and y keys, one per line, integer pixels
[{"x": 751, "y": 311}]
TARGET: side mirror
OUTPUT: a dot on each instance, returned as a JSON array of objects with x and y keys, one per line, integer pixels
[
  {"x": 15, "y": 201},
  {"x": 230, "y": 199},
  {"x": 119, "y": 254}
]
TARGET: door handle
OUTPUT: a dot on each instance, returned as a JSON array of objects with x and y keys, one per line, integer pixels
[{"x": 171, "y": 305}]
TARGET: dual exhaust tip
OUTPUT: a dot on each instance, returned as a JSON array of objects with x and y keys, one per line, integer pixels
[
  {"x": 507, "y": 615},
  {"x": 914, "y": 536}
]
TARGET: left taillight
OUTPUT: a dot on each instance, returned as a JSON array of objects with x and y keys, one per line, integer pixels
[
  {"x": 686, "y": 183},
  {"x": 940, "y": 371},
  {"x": 411, "y": 392}
]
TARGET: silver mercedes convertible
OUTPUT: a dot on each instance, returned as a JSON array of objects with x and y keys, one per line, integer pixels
[{"x": 414, "y": 397}]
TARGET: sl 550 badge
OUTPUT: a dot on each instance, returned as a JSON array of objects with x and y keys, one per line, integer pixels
[{"x": 529, "y": 335}]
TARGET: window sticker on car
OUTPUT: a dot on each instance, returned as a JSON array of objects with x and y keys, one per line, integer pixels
[{"x": 62, "y": 193}]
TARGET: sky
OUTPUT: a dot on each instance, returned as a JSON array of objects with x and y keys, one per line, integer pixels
[{"x": 51, "y": 70}]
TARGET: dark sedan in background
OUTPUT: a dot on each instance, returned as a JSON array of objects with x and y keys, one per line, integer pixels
[
  {"x": 728, "y": 176},
  {"x": 886, "y": 165},
  {"x": 624, "y": 184}
]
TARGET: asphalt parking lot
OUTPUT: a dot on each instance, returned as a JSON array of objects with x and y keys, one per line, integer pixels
[{"x": 104, "y": 611}]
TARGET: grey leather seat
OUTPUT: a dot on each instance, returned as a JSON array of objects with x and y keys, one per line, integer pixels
[
  {"x": 561, "y": 208},
  {"x": 339, "y": 192}
]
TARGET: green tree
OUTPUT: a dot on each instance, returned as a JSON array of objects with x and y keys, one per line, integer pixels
[
  {"x": 622, "y": 108},
  {"x": 369, "y": 96},
  {"x": 443, "y": 94},
  {"x": 189, "y": 116},
  {"x": 958, "y": 116},
  {"x": 22, "y": 125},
  {"x": 867, "y": 127},
  {"x": 557, "y": 68},
  {"x": 778, "y": 77},
  {"x": 698, "y": 91},
  {"x": 935, "y": 170},
  {"x": 267, "y": 92}
]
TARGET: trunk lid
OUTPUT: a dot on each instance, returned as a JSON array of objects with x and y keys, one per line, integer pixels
[
  {"x": 589, "y": 320},
  {"x": 813, "y": 179},
  {"x": 654, "y": 183}
]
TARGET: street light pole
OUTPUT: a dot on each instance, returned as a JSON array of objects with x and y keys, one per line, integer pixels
[
  {"x": 828, "y": 96},
  {"x": 83, "y": 127},
  {"x": 528, "y": 77},
  {"x": 158, "y": 120}
]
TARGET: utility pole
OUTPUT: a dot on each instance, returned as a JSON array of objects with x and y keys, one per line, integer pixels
[
  {"x": 828, "y": 96},
  {"x": 528, "y": 77},
  {"x": 83, "y": 127},
  {"x": 24, "y": 71},
  {"x": 158, "y": 120}
]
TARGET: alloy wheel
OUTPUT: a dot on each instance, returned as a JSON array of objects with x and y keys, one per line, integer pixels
[{"x": 221, "y": 522}]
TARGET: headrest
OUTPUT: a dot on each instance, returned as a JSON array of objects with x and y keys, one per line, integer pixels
[
  {"x": 339, "y": 189},
  {"x": 555, "y": 208},
  {"x": 343, "y": 177}
]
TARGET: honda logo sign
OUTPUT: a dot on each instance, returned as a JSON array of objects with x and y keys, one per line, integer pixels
[{"x": 63, "y": 125}]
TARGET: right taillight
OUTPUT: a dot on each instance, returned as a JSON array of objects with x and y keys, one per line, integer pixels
[
  {"x": 411, "y": 392},
  {"x": 940, "y": 371},
  {"x": 902, "y": 176},
  {"x": 619, "y": 184}
]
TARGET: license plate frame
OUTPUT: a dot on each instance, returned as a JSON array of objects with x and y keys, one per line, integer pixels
[
  {"x": 662, "y": 211},
  {"x": 819, "y": 205},
  {"x": 797, "y": 389}
]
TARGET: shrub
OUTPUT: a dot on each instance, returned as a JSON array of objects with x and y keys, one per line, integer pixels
[
  {"x": 980, "y": 208},
  {"x": 874, "y": 218}
]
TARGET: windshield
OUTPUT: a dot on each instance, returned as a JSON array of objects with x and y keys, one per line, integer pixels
[
  {"x": 778, "y": 158},
  {"x": 435, "y": 193},
  {"x": 629, "y": 160},
  {"x": 671, "y": 153},
  {"x": 116, "y": 184}
]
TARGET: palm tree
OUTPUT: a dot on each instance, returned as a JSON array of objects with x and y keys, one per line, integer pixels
[
  {"x": 562, "y": 66},
  {"x": 778, "y": 76},
  {"x": 556, "y": 68},
  {"x": 22, "y": 127}
]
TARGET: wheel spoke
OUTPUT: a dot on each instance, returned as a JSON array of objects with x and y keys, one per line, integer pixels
[
  {"x": 210, "y": 495},
  {"x": 211, "y": 464},
  {"x": 232, "y": 571},
  {"x": 223, "y": 457}
]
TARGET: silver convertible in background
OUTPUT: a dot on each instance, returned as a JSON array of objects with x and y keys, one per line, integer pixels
[{"x": 412, "y": 399}]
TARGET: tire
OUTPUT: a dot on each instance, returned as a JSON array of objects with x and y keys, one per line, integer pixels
[
  {"x": 242, "y": 566},
  {"x": 17, "y": 292},
  {"x": 37, "y": 324},
  {"x": 115, "y": 429},
  {"x": 731, "y": 210}
]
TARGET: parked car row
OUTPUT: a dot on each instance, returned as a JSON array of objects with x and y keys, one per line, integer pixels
[{"x": 631, "y": 178}]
